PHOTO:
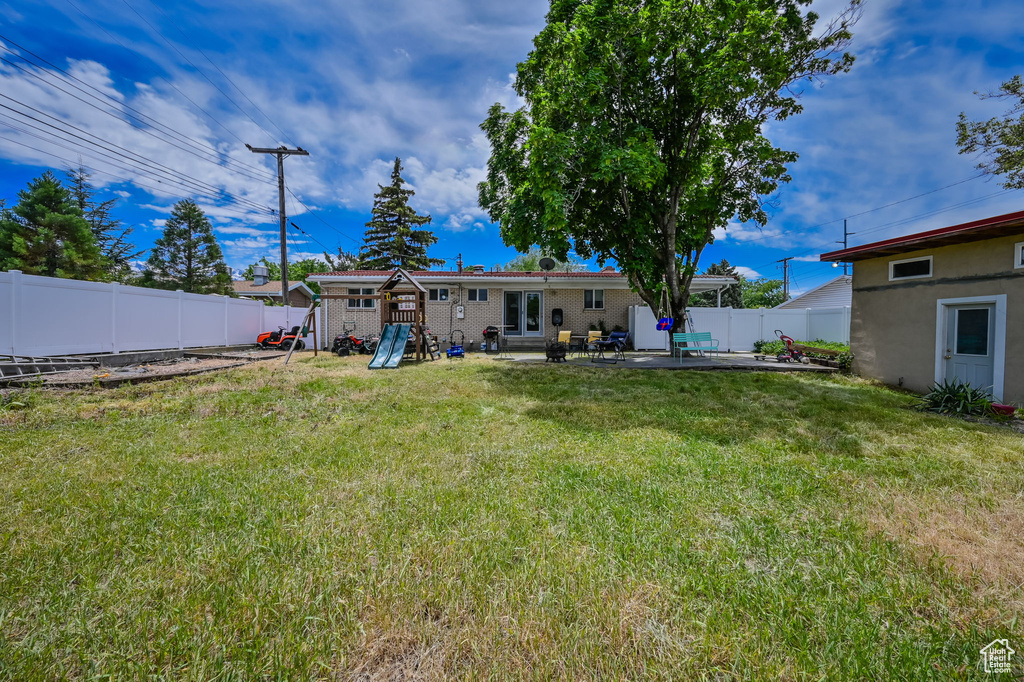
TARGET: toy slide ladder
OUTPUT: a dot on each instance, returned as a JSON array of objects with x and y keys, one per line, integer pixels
[{"x": 391, "y": 347}]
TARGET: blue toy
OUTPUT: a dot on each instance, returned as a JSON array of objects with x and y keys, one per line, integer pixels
[
  {"x": 456, "y": 350},
  {"x": 665, "y": 323}
]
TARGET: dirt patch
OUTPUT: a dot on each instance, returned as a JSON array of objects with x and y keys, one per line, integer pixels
[
  {"x": 982, "y": 543},
  {"x": 146, "y": 372}
]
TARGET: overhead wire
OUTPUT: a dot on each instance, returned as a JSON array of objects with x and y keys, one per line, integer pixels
[
  {"x": 226, "y": 77},
  {"x": 117, "y": 105},
  {"x": 202, "y": 73},
  {"x": 99, "y": 170},
  {"x": 117, "y": 40},
  {"x": 316, "y": 215},
  {"x": 128, "y": 155}
]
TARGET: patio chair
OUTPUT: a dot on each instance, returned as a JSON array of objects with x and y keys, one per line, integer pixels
[{"x": 616, "y": 342}]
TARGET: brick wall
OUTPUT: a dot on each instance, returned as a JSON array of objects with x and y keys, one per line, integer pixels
[{"x": 442, "y": 319}]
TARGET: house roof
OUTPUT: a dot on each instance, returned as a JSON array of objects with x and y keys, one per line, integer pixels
[
  {"x": 509, "y": 274},
  {"x": 271, "y": 288},
  {"x": 833, "y": 293},
  {"x": 988, "y": 228},
  {"x": 608, "y": 279}
]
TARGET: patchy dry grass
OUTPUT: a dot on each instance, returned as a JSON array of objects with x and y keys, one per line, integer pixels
[{"x": 489, "y": 520}]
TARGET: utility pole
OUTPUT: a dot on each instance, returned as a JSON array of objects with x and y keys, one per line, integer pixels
[
  {"x": 785, "y": 276},
  {"x": 845, "y": 243},
  {"x": 280, "y": 153}
]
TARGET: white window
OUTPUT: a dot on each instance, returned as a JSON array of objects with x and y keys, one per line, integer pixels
[
  {"x": 1018, "y": 257},
  {"x": 910, "y": 268},
  {"x": 593, "y": 299},
  {"x": 438, "y": 294},
  {"x": 479, "y": 295},
  {"x": 361, "y": 303}
]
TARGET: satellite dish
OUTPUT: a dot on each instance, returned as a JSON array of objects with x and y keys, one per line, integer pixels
[{"x": 547, "y": 264}]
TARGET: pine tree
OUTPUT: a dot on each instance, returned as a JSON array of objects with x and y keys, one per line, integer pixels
[
  {"x": 392, "y": 239},
  {"x": 113, "y": 239},
  {"x": 45, "y": 234},
  {"x": 732, "y": 295},
  {"x": 187, "y": 256}
]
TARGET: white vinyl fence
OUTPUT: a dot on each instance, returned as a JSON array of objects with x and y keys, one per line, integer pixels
[
  {"x": 42, "y": 316},
  {"x": 737, "y": 330}
]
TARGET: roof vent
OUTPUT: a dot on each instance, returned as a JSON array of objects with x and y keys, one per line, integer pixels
[
  {"x": 260, "y": 275},
  {"x": 478, "y": 269}
]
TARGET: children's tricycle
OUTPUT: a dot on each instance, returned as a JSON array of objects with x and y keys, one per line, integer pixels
[{"x": 456, "y": 348}]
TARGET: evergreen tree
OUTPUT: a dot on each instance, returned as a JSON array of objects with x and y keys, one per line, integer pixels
[
  {"x": 732, "y": 295},
  {"x": 112, "y": 238},
  {"x": 187, "y": 256},
  {"x": 343, "y": 261},
  {"x": 45, "y": 234},
  {"x": 393, "y": 239}
]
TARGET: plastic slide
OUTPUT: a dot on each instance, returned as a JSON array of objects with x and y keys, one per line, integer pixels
[{"x": 391, "y": 346}]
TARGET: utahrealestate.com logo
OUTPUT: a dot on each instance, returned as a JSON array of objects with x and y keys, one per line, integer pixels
[{"x": 996, "y": 656}]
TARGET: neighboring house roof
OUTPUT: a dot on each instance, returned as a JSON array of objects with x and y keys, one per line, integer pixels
[
  {"x": 832, "y": 294},
  {"x": 605, "y": 278},
  {"x": 271, "y": 288},
  {"x": 988, "y": 228}
]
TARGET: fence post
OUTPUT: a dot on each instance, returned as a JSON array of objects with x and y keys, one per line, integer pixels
[
  {"x": 227, "y": 303},
  {"x": 15, "y": 299},
  {"x": 113, "y": 317},
  {"x": 728, "y": 331},
  {"x": 181, "y": 306},
  {"x": 847, "y": 321}
]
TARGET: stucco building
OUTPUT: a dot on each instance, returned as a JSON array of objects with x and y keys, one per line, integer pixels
[{"x": 942, "y": 304}]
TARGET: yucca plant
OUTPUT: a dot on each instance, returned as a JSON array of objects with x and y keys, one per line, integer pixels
[{"x": 954, "y": 396}]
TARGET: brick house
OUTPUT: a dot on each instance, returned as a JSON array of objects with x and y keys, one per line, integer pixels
[{"x": 472, "y": 299}]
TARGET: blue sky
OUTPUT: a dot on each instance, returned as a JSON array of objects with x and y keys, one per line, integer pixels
[{"x": 359, "y": 83}]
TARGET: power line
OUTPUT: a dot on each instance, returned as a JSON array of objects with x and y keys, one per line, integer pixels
[
  {"x": 877, "y": 208},
  {"x": 94, "y": 169},
  {"x": 317, "y": 216},
  {"x": 904, "y": 221},
  {"x": 128, "y": 155},
  {"x": 169, "y": 83},
  {"x": 136, "y": 114},
  {"x": 198, "y": 70},
  {"x": 226, "y": 77}
]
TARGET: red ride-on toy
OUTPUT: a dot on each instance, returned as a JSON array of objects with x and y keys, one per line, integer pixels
[
  {"x": 281, "y": 339},
  {"x": 792, "y": 353}
]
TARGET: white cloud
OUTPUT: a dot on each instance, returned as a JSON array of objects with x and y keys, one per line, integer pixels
[{"x": 748, "y": 272}]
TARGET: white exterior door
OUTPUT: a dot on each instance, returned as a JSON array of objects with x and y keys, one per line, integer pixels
[{"x": 970, "y": 344}]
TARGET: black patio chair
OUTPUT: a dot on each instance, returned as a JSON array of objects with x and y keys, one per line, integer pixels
[{"x": 616, "y": 343}]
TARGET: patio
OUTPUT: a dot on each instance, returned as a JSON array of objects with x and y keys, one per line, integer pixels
[{"x": 662, "y": 360}]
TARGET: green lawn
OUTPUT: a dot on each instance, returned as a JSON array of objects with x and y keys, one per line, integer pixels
[{"x": 485, "y": 519}]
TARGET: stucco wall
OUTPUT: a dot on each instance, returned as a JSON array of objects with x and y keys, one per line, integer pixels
[{"x": 893, "y": 325}]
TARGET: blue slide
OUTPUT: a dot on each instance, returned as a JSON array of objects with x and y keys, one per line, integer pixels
[{"x": 391, "y": 347}]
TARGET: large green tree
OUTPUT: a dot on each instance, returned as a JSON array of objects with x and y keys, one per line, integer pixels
[
  {"x": 643, "y": 129},
  {"x": 187, "y": 255},
  {"x": 1001, "y": 140},
  {"x": 394, "y": 238},
  {"x": 46, "y": 234},
  {"x": 112, "y": 237},
  {"x": 763, "y": 293},
  {"x": 731, "y": 296}
]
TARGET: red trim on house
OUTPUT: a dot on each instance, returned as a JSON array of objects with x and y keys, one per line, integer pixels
[
  {"x": 418, "y": 274},
  {"x": 987, "y": 228}
]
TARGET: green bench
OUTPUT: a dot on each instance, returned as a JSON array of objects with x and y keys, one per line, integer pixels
[{"x": 698, "y": 341}]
